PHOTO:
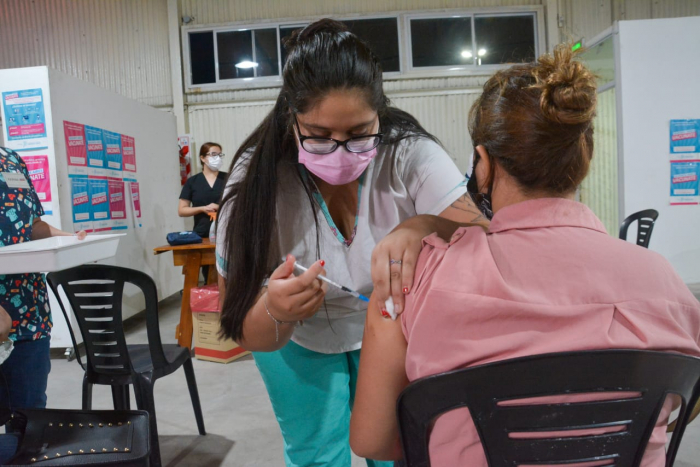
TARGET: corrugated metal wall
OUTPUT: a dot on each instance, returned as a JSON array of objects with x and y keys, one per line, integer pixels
[
  {"x": 587, "y": 18},
  {"x": 121, "y": 45},
  {"x": 223, "y": 11},
  {"x": 445, "y": 116},
  {"x": 599, "y": 191}
]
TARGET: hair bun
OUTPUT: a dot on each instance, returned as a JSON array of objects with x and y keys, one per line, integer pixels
[
  {"x": 569, "y": 89},
  {"x": 301, "y": 35}
]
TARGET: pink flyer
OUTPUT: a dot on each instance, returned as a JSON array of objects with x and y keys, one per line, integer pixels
[
  {"x": 38, "y": 168},
  {"x": 117, "y": 203},
  {"x": 128, "y": 154},
  {"x": 75, "y": 144},
  {"x": 136, "y": 198}
]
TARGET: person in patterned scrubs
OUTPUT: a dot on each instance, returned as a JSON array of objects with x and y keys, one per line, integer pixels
[{"x": 24, "y": 297}]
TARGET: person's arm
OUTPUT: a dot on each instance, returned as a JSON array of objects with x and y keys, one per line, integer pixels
[
  {"x": 5, "y": 325},
  {"x": 41, "y": 229},
  {"x": 405, "y": 241},
  {"x": 185, "y": 210},
  {"x": 288, "y": 298},
  {"x": 374, "y": 431}
]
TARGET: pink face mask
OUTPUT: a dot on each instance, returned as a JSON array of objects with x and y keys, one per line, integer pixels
[{"x": 338, "y": 167}]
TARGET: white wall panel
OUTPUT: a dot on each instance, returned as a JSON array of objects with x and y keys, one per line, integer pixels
[{"x": 121, "y": 45}]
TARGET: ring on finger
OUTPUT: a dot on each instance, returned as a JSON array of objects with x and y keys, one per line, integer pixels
[{"x": 395, "y": 261}]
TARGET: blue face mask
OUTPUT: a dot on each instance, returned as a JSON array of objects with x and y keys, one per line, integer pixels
[{"x": 481, "y": 200}]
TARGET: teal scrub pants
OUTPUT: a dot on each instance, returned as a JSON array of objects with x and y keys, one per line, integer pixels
[{"x": 312, "y": 395}]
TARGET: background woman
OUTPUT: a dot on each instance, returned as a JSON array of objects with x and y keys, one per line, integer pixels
[{"x": 202, "y": 192}]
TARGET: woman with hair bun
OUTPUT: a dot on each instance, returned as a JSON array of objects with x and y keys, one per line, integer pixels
[
  {"x": 545, "y": 277},
  {"x": 331, "y": 171}
]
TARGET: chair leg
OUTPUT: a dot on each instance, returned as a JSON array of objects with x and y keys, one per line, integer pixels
[
  {"x": 143, "y": 388},
  {"x": 194, "y": 395},
  {"x": 87, "y": 394},
  {"x": 120, "y": 397}
]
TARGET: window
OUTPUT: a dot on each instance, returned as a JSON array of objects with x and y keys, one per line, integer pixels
[
  {"x": 505, "y": 39},
  {"x": 202, "y": 60},
  {"x": 382, "y": 36},
  {"x": 600, "y": 59},
  {"x": 468, "y": 41},
  {"x": 439, "y": 43}
]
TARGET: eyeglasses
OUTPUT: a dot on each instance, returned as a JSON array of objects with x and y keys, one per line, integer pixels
[
  {"x": 356, "y": 144},
  {"x": 214, "y": 154}
]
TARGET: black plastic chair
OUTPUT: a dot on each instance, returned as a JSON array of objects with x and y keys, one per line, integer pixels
[
  {"x": 95, "y": 294},
  {"x": 482, "y": 388},
  {"x": 646, "y": 220}
]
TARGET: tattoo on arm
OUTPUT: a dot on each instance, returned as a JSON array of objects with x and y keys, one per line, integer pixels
[{"x": 465, "y": 204}]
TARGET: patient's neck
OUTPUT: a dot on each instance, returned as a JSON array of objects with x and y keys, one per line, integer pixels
[{"x": 507, "y": 192}]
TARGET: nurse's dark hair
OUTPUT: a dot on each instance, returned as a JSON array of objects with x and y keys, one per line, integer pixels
[
  {"x": 322, "y": 57},
  {"x": 535, "y": 120}
]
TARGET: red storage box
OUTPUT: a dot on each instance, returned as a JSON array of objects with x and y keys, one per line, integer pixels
[{"x": 204, "y": 303}]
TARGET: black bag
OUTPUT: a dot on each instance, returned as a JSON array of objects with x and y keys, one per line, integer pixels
[
  {"x": 183, "y": 238},
  {"x": 81, "y": 437}
]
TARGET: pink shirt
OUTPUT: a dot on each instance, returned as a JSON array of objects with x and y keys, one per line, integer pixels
[{"x": 545, "y": 278}]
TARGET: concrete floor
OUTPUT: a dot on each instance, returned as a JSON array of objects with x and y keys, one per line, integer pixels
[{"x": 241, "y": 427}]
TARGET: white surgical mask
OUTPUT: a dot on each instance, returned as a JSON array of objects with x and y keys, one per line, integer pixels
[{"x": 214, "y": 162}]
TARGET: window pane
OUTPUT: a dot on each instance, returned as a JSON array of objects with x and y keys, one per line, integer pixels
[
  {"x": 382, "y": 35},
  {"x": 235, "y": 48},
  {"x": 600, "y": 59},
  {"x": 505, "y": 39},
  {"x": 441, "y": 42},
  {"x": 285, "y": 32},
  {"x": 266, "y": 52},
  {"x": 202, "y": 57}
]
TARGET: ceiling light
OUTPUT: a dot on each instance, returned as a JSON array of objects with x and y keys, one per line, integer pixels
[
  {"x": 246, "y": 64},
  {"x": 481, "y": 52},
  {"x": 466, "y": 54}
]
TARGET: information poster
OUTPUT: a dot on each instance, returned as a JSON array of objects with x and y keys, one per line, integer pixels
[
  {"x": 117, "y": 204},
  {"x": 113, "y": 153},
  {"x": 26, "y": 120},
  {"x": 99, "y": 204},
  {"x": 128, "y": 157},
  {"x": 81, "y": 204},
  {"x": 76, "y": 150},
  {"x": 38, "y": 168},
  {"x": 685, "y": 140},
  {"x": 684, "y": 183},
  {"x": 97, "y": 165},
  {"x": 135, "y": 202}
]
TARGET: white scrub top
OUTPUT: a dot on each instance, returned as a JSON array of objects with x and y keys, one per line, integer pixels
[{"x": 413, "y": 176}]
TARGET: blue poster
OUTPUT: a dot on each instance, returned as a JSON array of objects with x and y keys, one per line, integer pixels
[
  {"x": 95, "y": 150},
  {"x": 685, "y": 140},
  {"x": 685, "y": 188},
  {"x": 99, "y": 204},
  {"x": 24, "y": 112},
  {"x": 113, "y": 152},
  {"x": 81, "y": 204}
]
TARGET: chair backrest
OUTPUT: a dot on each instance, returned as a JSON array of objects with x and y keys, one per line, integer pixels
[
  {"x": 95, "y": 293},
  {"x": 484, "y": 389},
  {"x": 645, "y": 225}
]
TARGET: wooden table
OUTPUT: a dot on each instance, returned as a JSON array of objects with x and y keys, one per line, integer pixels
[{"x": 191, "y": 258}]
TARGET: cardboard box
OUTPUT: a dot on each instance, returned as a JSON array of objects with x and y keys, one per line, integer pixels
[
  {"x": 204, "y": 302},
  {"x": 207, "y": 345}
]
